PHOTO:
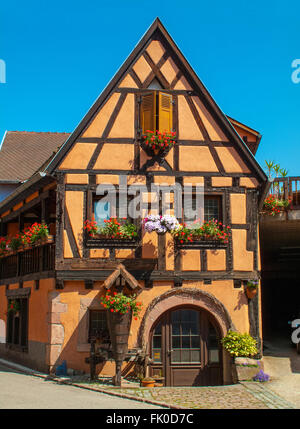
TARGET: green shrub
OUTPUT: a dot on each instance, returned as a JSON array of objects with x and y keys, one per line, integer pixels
[{"x": 239, "y": 345}]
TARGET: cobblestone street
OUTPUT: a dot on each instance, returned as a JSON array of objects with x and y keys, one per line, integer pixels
[{"x": 245, "y": 395}]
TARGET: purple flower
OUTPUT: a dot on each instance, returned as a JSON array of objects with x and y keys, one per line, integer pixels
[{"x": 261, "y": 377}]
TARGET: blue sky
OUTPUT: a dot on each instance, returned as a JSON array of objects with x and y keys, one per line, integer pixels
[{"x": 60, "y": 55}]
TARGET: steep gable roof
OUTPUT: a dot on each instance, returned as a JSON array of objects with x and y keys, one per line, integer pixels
[{"x": 157, "y": 30}]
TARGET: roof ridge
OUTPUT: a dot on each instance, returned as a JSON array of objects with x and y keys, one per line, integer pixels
[{"x": 38, "y": 132}]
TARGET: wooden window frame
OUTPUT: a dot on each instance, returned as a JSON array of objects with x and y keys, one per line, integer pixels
[
  {"x": 91, "y": 312},
  {"x": 156, "y": 104},
  {"x": 19, "y": 322}
]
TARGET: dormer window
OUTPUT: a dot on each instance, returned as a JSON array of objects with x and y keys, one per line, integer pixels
[{"x": 156, "y": 112}]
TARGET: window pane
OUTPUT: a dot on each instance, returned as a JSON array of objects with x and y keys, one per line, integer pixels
[
  {"x": 101, "y": 212},
  {"x": 211, "y": 208},
  {"x": 195, "y": 341},
  {"x": 214, "y": 356},
  {"x": 176, "y": 356},
  {"x": 195, "y": 355},
  {"x": 157, "y": 342},
  {"x": 186, "y": 342},
  {"x": 156, "y": 355},
  {"x": 176, "y": 342},
  {"x": 185, "y": 356}
]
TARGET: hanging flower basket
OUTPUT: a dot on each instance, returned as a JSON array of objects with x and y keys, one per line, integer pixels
[
  {"x": 251, "y": 288},
  {"x": 158, "y": 143},
  {"x": 120, "y": 309}
]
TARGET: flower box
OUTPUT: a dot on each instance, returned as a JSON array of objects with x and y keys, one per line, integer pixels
[
  {"x": 156, "y": 143},
  {"x": 244, "y": 369}
]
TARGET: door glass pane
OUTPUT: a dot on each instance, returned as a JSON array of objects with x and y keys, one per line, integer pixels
[
  {"x": 195, "y": 355},
  {"x": 186, "y": 342},
  {"x": 156, "y": 344},
  {"x": 185, "y": 356},
  {"x": 176, "y": 342},
  {"x": 185, "y": 332},
  {"x": 213, "y": 345}
]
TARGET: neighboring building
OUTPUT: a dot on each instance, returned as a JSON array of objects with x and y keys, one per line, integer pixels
[
  {"x": 192, "y": 293},
  {"x": 22, "y": 153}
]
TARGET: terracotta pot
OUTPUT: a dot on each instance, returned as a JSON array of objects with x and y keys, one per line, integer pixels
[
  {"x": 148, "y": 383},
  {"x": 251, "y": 292}
]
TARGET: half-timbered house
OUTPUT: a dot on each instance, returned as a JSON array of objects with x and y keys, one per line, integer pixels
[{"x": 192, "y": 293}]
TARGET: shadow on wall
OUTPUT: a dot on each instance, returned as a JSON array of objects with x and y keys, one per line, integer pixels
[{"x": 77, "y": 348}]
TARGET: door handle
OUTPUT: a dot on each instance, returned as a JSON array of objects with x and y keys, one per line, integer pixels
[{"x": 170, "y": 351}]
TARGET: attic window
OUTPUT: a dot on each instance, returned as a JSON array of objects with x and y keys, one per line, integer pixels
[
  {"x": 155, "y": 84},
  {"x": 156, "y": 112}
]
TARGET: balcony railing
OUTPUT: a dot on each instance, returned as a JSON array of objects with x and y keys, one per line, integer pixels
[
  {"x": 34, "y": 260},
  {"x": 287, "y": 187}
]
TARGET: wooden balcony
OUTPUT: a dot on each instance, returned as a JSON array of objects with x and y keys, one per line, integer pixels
[
  {"x": 287, "y": 187},
  {"x": 30, "y": 261}
]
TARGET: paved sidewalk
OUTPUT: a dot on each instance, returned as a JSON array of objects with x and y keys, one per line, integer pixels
[{"x": 246, "y": 395}]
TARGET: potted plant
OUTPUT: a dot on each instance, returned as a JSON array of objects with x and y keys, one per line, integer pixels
[
  {"x": 159, "y": 379},
  {"x": 114, "y": 228},
  {"x": 120, "y": 309},
  {"x": 14, "y": 306},
  {"x": 211, "y": 230},
  {"x": 148, "y": 382},
  {"x": 241, "y": 348},
  {"x": 251, "y": 288},
  {"x": 273, "y": 206},
  {"x": 156, "y": 142},
  {"x": 16, "y": 243},
  {"x": 160, "y": 224},
  {"x": 36, "y": 234}
]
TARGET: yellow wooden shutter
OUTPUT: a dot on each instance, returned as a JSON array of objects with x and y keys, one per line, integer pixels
[
  {"x": 165, "y": 112},
  {"x": 148, "y": 112}
]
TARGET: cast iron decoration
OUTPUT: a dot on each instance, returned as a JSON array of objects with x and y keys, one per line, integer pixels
[{"x": 120, "y": 309}]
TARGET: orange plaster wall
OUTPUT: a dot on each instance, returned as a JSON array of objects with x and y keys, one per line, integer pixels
[
  {"x": 242, "y": 258},
  {"x": 124, "y": 123},
  {"x": 99, "y": 253},
  {"x": 155, "y": 50},
  {"x": 216, "y": 260},
  {"x": 149, "y": 245},
  {"x": 238, "y": 208},
  {"x": 197, "y": 158},
  {"x": 190, "y": 260},
  {"x": 249, "y": 182},
  {"x": 188, "y": 128},
  {"x": 231, "y": 161},
  {"x": 78, "y": 157},
  {"x": 234, "y": 300},
  {"x": 214, "y": 131},
  {"x": 221, "y": 181},
  {"x": 128, "y": 82},
  {"x": 169, "y": 252},
  {"x": 169, "y": 70},
  {"x": 142, "y": 68},
  {"x": 115, "y": 157},
  {"x": 38, "y": 310},
  {"x": 74, "y": 205},
  {"x": 97, "y": 126},
  {"x": 77, "y": 178}
]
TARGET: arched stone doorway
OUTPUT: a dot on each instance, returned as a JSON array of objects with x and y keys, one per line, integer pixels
[{"x": 181, "y": 331}]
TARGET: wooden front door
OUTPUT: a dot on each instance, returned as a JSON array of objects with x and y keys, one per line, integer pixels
[{"x": 185, "y": 348}]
